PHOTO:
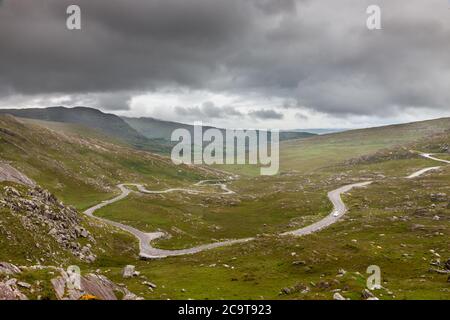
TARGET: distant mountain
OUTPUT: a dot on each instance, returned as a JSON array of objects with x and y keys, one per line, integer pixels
[
  {"x": 160, "y": 129},
  {"x": 143, "y": 133},
  {"x": 109, "y": 124},
  {"x": 320, "y": 130}
]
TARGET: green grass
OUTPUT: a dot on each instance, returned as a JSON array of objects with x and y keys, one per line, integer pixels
[
  {"x": 79, "y": 165},
  {"x": 257, "y": 206},
  {"x": 322, "y": 151},
  {"x": 263, "y": 267},
  {"x": 368, "y": 235}
]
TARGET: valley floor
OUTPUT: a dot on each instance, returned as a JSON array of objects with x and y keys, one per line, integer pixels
[{"x": 394, "y": 238}]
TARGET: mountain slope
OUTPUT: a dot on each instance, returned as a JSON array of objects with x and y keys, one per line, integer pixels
[
  {"x": 79, "y": 165},
  {"x": 109, "y": 124},
  {"x": 326, "y": 150},
  {"x": 160, "y": 129}
]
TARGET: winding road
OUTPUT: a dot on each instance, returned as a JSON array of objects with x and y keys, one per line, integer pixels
[{"x": 147, "y": 251}]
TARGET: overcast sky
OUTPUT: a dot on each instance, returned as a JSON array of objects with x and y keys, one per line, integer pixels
[{"x": 232, "y": 63}]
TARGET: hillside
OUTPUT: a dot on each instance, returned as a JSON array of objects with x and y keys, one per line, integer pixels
[
  {"x": 325, "y": 150},
  {"x": 80, "y": 165},
  {"x": 394, "y": 223},
  {"x": 160, "y": 129},
  {"x": 108, "y": 124}
]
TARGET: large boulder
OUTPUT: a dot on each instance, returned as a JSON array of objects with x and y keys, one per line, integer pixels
[
  {"x": 338, "y": 296},
  {"x": 128, "y": 271},
  {"x": 92, "y": 286}
]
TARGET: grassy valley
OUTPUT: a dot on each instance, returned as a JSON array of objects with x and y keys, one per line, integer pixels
[{"x": 396, "y": 223}]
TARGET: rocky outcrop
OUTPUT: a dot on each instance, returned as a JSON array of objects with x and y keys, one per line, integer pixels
[
  {"x": 10, "y": 291},
  {"x": 91, "y": 286},
  {"x": 8, "y": 269},
  {"x": 69, "y": 285},
  {"x": 40, "y": 212},
  {"x": 9, "y": 173}
]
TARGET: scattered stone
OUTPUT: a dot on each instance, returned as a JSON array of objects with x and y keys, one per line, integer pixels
[
  {"x": 9, "y": 291},
  {"x": 149, "y": 284},
  {"x": 285, "y": 291},
  {"x": 366, "y": 294},
  {"x": 416, "y": 227},
  {"x": 341, "y": 272},
  {"x": 338, "y": 296},
  {"x": 8, "y": 268},
  {"x": 24, "y": 285},
  {"x": 299, "y": 287},
  {"x": 128, "y": 271},
  {"x": 438, "y": 197}
]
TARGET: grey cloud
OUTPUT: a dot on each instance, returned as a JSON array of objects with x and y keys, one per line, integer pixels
[
  {"x": 110, "y": 101},
  {"x": 301, "y": 116},
  {"x": 266, "y": 114},
  {"x": 318, "y": 53},
  {"x": 208, "y": 110}
]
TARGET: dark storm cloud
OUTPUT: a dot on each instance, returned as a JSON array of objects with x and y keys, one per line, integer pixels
[
  {"x": 123, "y": 45},
  {"x": 317, "y": 53}
]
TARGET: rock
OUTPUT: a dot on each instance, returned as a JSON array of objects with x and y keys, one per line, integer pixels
[
  {"x": 447, "y": 264},
  {"x": 420, "y": 227},
  {"x": 285, "y": 291},
  {"x": 24, "y": 285},
  {"x": 10, "y": 191},
  {"x": 41, "y": 213},
  {"x": 438, "y": 197},
  {"x": 341, "y": 272},
  {"x": 338, "y": 296},
  {"x": 9, "y": 173},
  {"x": 85, "y": 250},
  {"x": 9, "y": 291},
  {"x": 128, "y": 271},
  {"x": 90, "y": 259},
  {"x": 366, "y": 294},
  {"x": 8, "y": 268},
  {"x": 299, "y": 263},
  {"x": 91, "y": 286},
  {"x": 149, "y": 284},
  {"x": 323, "y": 285}
]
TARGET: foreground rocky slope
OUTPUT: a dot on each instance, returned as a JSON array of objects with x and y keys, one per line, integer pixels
[
  {"x": 62, "y": 285},
  {"x": 42, "y": 229},
  {"x": 40, "y": 215}
]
